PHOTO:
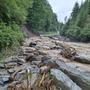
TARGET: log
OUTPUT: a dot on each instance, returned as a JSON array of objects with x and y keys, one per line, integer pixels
[{"x": 82, "y": 79}]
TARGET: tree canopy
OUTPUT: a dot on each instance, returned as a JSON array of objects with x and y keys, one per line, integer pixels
[
  {"x": 37, "y": 14},
  {"x": 78, "y": 25},
  {"x": 41, "y": 17}
]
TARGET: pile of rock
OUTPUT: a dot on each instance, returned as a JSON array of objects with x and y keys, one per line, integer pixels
[{"x": 35, "y": 69}]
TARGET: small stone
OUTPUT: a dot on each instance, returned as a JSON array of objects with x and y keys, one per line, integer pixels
[
  {"x": 34, "y": 69},
  {"x": 2, "y": 66},
  {"x": 45, "y": 57},
  {"x": 28, "y": 58},
  {"x": 32, "y": 44},
  {"x": 36, "y": 62},
  {"x": 63, "y": 81},
  {"x": 51, "y": 63},
  {"x": 4, "y": 79},
  {"x": 11, "y": 71},
  {"x": 44, "y": 69},
  {"x": 46, "y": 47},
  {"x": 41, "y": 52}
]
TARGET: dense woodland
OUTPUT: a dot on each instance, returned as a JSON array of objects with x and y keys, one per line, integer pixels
[
  {"x": 77, "y": 27},
  {"x": 41, "y": 17}
]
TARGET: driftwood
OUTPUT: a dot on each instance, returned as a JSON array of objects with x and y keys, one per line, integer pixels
[
  {"x": 80, "y": 78},
  {"x": 42, "y": 79},
  {"x": 67, "y": 51}
]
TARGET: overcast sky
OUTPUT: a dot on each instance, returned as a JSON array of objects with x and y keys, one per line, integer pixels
[{"x": 63, "y": 8}]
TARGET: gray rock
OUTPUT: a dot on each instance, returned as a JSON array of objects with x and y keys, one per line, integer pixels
[
  {"x": 29, "y": 69},
  {"x": 33, "y": 69},
  {"x": 63, "y": 81},
  {"x": 41, "y": 52},
  {"x": 2, "y": 66},
  {"x": 44, "y": 69},
  {"x": 15, "y": 61},
  {"x": 51, "y": 63},
  {"x": 31, "y": 58},
  {"x": 71, "y": 65},
  {"x": 80, "y": 78},
  {"x": 4, "y": 79},
  {"x": 82, "y": 59}
]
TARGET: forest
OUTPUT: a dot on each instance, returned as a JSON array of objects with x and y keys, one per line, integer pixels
[
  {"x": 37, "y": 14},
  {"x": 77, "y": 27}
]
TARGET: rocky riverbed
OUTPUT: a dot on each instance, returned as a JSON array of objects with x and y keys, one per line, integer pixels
[{"x": 47, "y": 64}]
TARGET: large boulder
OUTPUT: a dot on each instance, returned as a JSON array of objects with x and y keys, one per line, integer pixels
[
  {"x": 63, "y": 81},
  {"x": 80, "y": 78}
]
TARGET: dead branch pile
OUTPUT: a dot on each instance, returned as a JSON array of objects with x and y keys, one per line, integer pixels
[{"x": 67, "y": 51}]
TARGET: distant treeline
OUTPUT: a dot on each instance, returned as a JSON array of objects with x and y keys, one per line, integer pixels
[{"x": 77, "y": 27}]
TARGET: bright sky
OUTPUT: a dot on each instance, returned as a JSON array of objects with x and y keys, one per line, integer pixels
[{"x": 63, "y": 8}]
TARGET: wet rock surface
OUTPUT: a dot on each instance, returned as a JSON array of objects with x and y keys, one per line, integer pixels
[
  {"x": 39, "y": 60},
  {"x": 63, "y": 81},
  {"x": 82, "y": 59},
  {"x": 81, "y": 78}
]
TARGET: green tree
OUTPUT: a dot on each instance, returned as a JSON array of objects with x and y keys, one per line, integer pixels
[
  {"x": 41, "y": 17},
  {"x": 78, "y": 25}
]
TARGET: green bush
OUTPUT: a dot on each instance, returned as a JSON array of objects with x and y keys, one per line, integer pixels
[
  {"x": 74, "y": 33},
  {"x": 85, "y": 35},
  {"x": 9, "y": 35}
]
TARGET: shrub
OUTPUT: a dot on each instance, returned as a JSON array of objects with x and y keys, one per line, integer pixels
[{"x": 9, "y": 35}]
